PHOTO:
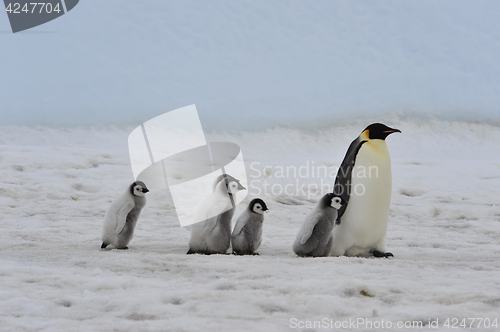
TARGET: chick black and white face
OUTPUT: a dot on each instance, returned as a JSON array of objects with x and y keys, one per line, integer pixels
[
  {"x": 257, "y": 205},
  {"x": 257, "y": 208},
  {"x": 233, "y": 187},
  {"x": 336, "y": 202},
  {"x": 138, "y": 190}
]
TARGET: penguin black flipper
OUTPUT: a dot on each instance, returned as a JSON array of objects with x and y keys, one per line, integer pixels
[{"x": 342, "y": 186}]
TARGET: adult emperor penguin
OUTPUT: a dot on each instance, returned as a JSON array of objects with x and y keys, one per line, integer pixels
[
  {"x": 122, "y": 215},
  {"x": 315, "y": 234},
  {"x": 364, "y": 182},
  {"x": 213, "y": 235},
  {"x": 247, "y": 233}
]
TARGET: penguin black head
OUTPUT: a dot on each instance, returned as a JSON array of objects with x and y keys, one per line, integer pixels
[
  {"x": 379, "y": 131},
  {"x": 257, "y": 205},
  {"x": 138, "y": 188},
  {"x": 331, "y": 200}
]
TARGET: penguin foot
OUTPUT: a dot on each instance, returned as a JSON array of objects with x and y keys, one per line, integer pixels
[
  {"x": 245, "y": 252},
  {"x": 205, "y": 252},
  {"x": 104, "y": 245},
  {"x": 216, "y": 253},
  {"x": 192, "y": 252},
  {"x": 379, "y": 254},
  {"x": 124, "y": 248}
]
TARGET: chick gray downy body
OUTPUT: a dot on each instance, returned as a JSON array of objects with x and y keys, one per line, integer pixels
[
  {"x": 247, "y": 234},
  {"x": 122, "y": 216},
  {"x": 315, "y": 236},
  {"x": 213, "y": 235}
]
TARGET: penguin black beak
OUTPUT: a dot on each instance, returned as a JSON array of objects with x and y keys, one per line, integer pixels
[
  {"x": 240, "y": 187},
  {"x": 145, "y": 190},
  {"x": 391, "y": 131}
]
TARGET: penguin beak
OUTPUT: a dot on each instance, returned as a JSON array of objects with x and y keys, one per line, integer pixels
[
  {"x": 240, "y": 187},
  {"x": 145, "y": 190},
  {"x": 391, "y": 131}
]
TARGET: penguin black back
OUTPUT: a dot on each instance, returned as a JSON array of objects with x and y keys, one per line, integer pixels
[{"x": 342, "y": 186}]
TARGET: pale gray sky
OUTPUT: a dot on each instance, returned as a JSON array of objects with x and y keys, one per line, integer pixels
[{"x": 252, "y": 64}]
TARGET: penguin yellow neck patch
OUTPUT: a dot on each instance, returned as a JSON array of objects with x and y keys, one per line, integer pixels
[{"x": 365, "y": 135}]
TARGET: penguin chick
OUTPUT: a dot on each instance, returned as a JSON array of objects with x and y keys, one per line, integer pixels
[
  {"x": 122, "y": 215},
  {"x": 247, "y": 234},
  {"x": 315, "y": 234},
  {"x": 213, "y": 234}
]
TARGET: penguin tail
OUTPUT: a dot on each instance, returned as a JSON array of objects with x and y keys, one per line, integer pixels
[{"x": 104, "y": 245}]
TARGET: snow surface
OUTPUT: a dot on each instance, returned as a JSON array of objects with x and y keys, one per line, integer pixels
[{"x": 57, "y": 183}]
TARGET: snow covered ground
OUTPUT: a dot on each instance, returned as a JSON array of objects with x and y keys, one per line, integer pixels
[{"x": 55, "y": 185}]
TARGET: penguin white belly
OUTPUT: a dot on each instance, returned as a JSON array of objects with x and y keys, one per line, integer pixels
[{"x": 364, "y": 223}]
